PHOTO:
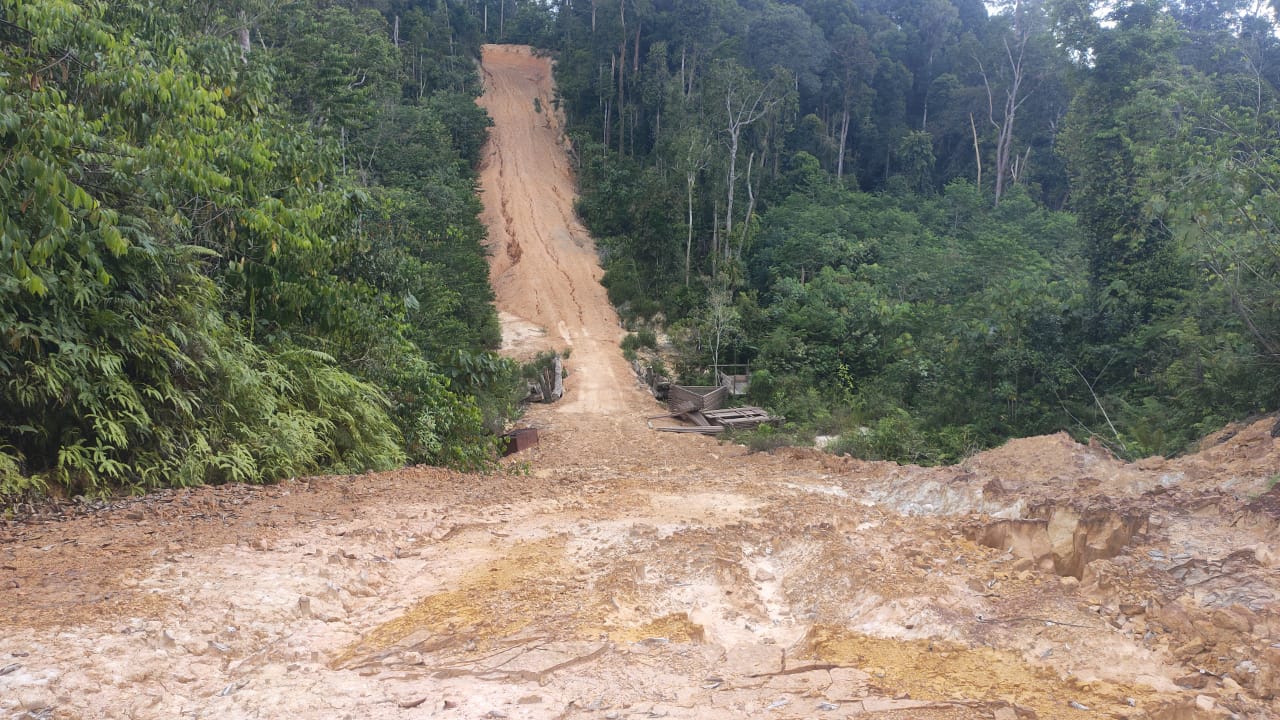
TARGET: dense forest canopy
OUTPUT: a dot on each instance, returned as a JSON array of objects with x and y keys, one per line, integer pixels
[
  {"x": 930, "y": 225},
  {"x": 240, "y": 242},
  {"x": 240, "y": 238}
]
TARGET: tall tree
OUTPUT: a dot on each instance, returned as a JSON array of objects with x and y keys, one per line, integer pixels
[
  {"x": 1009, "y": 84},
  {"x": 1118, "y": 110},
  {"x": 741, "y": 102}
]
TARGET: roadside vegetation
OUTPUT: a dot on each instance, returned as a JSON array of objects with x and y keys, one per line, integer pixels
[
  {"x": 239, "y": 239},
  {"x": 240, "y": 242},
  {"x": 928, "y": 227}
]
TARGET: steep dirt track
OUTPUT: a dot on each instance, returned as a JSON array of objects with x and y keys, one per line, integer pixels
[
  {"x": 617, "y": 572},
  {"x": 543, "y": 264}
]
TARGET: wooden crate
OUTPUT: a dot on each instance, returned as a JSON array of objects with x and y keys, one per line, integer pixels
[{"x": 689, "y": 398}]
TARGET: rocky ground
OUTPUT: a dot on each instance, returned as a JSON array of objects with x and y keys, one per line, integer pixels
[{"x": 615, "y": 572}]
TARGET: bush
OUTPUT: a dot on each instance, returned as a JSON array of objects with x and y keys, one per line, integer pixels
[
  {"x": 659, "y": 368},
  {"x": 441, "y": 427},
  {"x": 767, "y": 438},
  {"x": 894, "y": 437},
  {"x": 643, "y": 338}
]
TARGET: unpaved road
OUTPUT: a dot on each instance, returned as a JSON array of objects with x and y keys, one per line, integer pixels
[
  {"x": 622, "y": 573},
  {"x": 543, "y": 264}
]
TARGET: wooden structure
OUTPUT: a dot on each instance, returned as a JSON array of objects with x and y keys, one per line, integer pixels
[
  {"x": 743, "y": 417},
  {"x": 703, "y": 405},
  {"x": 738, "y": 383},
  {"x": 695, "y": 398},
  {"x": 735, "y": 384}
]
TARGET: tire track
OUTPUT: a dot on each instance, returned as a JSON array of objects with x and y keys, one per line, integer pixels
[{"x": 543, "y": 266}]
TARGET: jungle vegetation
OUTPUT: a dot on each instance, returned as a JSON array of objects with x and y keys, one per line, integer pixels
[
  {"x": 240, "y": 242},
  {"x": 239, "y": 239},
  {"x": 932, "y": 225}
]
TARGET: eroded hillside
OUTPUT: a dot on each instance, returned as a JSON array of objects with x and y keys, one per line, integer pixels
[{"x": 616, "y": 572}]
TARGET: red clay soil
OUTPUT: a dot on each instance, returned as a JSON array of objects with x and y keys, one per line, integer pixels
[{"x": 617, "y": 572}]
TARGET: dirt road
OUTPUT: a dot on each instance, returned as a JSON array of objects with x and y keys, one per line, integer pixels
[
  {"x": 543, "y": 264},
  {"x": 617, "y": 572}
]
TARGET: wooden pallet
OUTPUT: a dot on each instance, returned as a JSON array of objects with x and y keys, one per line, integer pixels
[
  {"x": 708, "y": 430},
  {"x": 711, "y": 422},
  {"x": 739, "y": 418}
]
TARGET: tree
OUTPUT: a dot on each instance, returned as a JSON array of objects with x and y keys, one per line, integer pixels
[
  {"x": 915, "y": 152},
  {"x": 742, "y": 102},
  {"x": 1018, "y": 67},
  {"x": 691, "y": 162},
  {"x": 784, "y": 36},
  {"x": 1119, "y": 109},
  {"x": 855, "y": 63}
]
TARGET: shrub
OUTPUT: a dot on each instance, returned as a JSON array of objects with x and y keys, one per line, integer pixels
[{"x": 767, "y": 438}]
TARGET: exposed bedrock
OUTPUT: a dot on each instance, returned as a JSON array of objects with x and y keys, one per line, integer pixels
[{"x": 1064, "y": 538}]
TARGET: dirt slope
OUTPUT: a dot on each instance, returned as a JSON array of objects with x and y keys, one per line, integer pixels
[
  {"x": 543, "y": 263},
  {"x": 621, "y": 573}
]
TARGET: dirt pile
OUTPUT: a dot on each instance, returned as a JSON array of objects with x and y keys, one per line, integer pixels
[{"x": 615, "y": 572}]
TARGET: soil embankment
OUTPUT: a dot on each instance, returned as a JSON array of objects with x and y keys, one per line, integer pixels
[{"x": 622, "y": 573}]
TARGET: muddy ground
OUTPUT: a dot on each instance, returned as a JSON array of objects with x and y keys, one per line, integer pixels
[{"x": 616, "y": 572}]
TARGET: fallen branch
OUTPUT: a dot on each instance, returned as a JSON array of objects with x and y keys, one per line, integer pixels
[{"x": 1021, "y": 618}]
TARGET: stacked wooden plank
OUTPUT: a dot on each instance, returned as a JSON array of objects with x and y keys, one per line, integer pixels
[
  {"x": 739, "y": 418},
  {"x": 709, "y": 430},
  {"x": 696, "y": 397},
  {"x": 702, "y": 407}
]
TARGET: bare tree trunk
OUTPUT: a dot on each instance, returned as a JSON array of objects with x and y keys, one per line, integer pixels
[
  {"x": 1018, "y": 166},
  {"x": 246, "y": 44},
  {"x": 689, "y": 177},
  {"x": 715, "y": 238},
  {"x": 844, "y": 134},
  {"x": 751, "y": 203},
  {"x": 683, "y": 49},
  {"x": 734, "y": 133},
  {"x": 1013, "y": 100},
  {"x": 977, "y": 150},
  {"x": 395, "y": 32},
  {"x": 622, "y": 66},
  {"x": 744, "y": 115},
  {"x": 693, "y": 69},
  {"x": 608, "y": 105},
  {"x": 635, "y": 59}
]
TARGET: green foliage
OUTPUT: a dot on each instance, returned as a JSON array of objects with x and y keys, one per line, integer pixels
[
  {"x": 441, "y": 427},
  {"x": 890, "y": 237},
  {"x": 923, "y": 310},
  {"x": 540, "y": 364},
  {"x": 644, "y": 338},
  {"x": 897, "y": 436},
  {"x": 197, "y": 287},
  {"x": 767, "y": 438}
]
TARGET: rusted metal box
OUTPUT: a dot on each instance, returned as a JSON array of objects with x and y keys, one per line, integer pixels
[{"x": 521, "y": 439}]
